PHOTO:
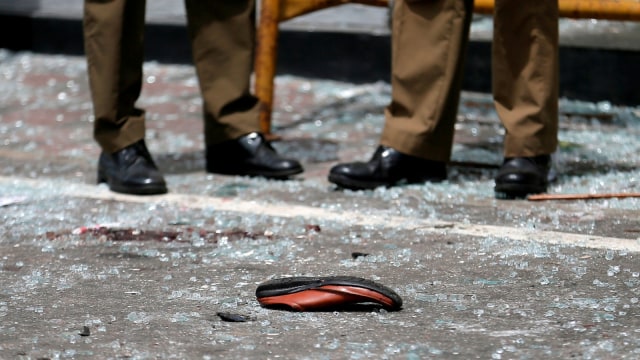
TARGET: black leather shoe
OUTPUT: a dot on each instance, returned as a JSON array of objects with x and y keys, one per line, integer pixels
[
  {"x": 250, "y": 155},
  {"x": 131, "y": 171},
  {"x": 387, "y": 167},
  {"x": 521, "y": 176}
]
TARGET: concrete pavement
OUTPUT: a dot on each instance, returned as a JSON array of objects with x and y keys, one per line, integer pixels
[{"x": 480, "y": 278}]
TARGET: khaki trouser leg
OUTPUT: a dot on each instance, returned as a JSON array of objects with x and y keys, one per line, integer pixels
[
  {"x": 113, "y": 34},
  {"x": 428, "y": 46},
  {"x": 525, "y": 75},
  {"x": 223, "y": 38}
]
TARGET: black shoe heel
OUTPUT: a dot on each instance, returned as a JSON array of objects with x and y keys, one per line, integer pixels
[{"x": 101, "y": 178}]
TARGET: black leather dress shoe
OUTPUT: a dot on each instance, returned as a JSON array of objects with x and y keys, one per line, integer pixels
[
  {"x": 387, "y": 167},
  {"x": 131, "y": 171},
  {"x": 521, "y": 176},
  {"x": 250, "y": 155}
]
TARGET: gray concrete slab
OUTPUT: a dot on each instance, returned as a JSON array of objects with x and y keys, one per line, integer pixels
[
  {"x": 485, "y": 295},
  {"x": 480, "y": 277}
]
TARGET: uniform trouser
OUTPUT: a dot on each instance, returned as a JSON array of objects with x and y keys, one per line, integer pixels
[
  {"x": 222, "y": 34},
  {"x": 429, "y": 39}
]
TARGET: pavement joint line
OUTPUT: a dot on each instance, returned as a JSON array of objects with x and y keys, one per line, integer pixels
[{"x": 285, "y": 210}]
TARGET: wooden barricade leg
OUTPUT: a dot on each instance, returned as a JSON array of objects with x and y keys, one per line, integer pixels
[
  {"x": 265, "y": 60},
  {"x": 272, "y": 12}
]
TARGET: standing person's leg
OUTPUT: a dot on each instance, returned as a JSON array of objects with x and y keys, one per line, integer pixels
[
  {"x": 113, "y": 35},
  {"x": 428, "y": 51},
  {"x": 223, "y": 40},
  {"x": 525, "y": 87},
  {"x": 429, "y": 40}
]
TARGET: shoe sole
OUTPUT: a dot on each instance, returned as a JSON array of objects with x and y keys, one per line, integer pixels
[
  {"x": 146, "y": 190},
  {"x": 515, "y": 191},
  {"x": 269, "y": 175},
  {"x": 348, "y": 183},
  {"x": 317, "y": 293},
  {"x": 351, "y": 184}
]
